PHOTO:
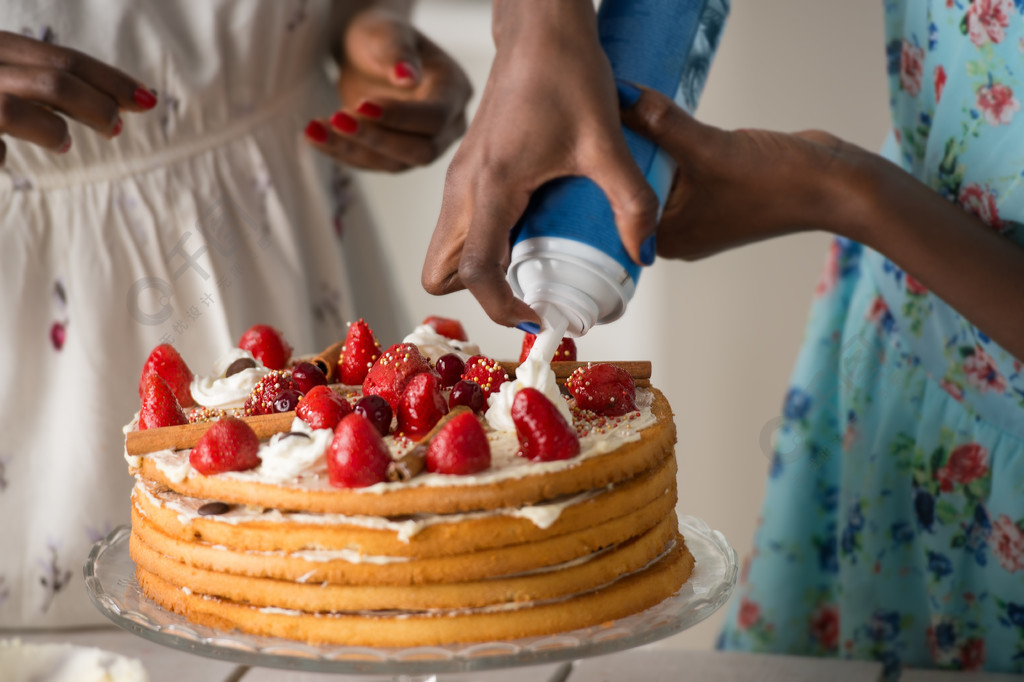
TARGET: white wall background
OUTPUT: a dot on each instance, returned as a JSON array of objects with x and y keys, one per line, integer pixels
[{"x": 721, "y": 334}]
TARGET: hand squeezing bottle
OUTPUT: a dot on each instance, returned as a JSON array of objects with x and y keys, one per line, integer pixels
[{"x": 568, "y": 262}]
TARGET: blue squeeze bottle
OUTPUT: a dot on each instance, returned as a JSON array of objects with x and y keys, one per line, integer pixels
[{"x": 567, "y": 260}]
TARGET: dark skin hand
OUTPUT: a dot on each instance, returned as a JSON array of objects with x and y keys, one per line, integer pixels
[
  {"x": 404, "y": 98},
  {"x": 42, "y": 85},
  {"x": 738, "y": 187},
  {"x": 535, "y": 123}
]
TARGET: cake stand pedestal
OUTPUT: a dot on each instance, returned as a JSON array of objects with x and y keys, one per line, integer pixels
[{"x": 110, "y": 580}]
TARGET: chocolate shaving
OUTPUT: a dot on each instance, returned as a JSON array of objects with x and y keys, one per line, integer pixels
[
  {"x": 214, "y": 509},
  {"x": 297, "y": 433},
  {"x": 239, "y": 365}
]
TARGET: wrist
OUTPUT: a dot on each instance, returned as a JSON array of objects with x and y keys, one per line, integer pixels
[{"x": 512, "y": 20}]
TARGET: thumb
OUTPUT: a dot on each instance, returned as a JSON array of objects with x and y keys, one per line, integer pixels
[
  {"x": 387, "y": 48},
  {"x": 659, "y": 119}
]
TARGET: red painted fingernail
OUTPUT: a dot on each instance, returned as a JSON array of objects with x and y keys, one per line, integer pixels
[
  {"x": 144, "y": 98},
  {"x": 65, "y": 147},
  {"x": 404, "y": 71},
  {"x": 117, "y": 127},
  {"x": 369, "y": 109},
  {"x": 344, "y": 123},
  {"x": 317, "y": 132}
]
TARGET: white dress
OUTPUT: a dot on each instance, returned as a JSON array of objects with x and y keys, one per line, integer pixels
[{"x": 206, "y": 215}]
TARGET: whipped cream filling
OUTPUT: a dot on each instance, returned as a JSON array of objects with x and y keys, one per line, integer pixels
[
  {"x": 187, "y": 510},
  {"x": 217, "y": 391},
  {"x": 434, "y": 345}
]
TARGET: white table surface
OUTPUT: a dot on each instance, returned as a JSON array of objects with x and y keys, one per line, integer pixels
[{"x": 648, "y": 664}]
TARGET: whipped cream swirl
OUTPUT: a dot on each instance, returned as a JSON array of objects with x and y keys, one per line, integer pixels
[
  {"x": 434, "y": 345},
  {"x": 534, "y": 372},
  {"x": 220, "y": 392}
]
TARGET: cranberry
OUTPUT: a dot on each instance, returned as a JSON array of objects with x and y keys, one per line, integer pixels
[
  {"x": 286, "y": 400},
  {"x": 467, "y": 393},
  {"x": 307, "y": 375},
  {"x": 377, "y": 411},
  {"x": 450, "y": 367}
]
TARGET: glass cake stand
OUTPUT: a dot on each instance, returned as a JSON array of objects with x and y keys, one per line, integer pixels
[{"x": 110, "y": 580}]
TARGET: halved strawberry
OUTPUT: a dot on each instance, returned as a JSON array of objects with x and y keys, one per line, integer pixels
[
  {"x": 357, "y": 457},
  {"x": 543, "y": 433},
  {"x": 603, "y": 388},
  {"x": 228, "y": 445},
  {"x": 261, "y": 397},
  {"x": 421, "y": 406},
  {"x": 391, "y": 373},
  {"x": 322, "y": 408},
  {"x": 447, "y": 326},
  {"x": 266, "y": 345},
  {"x": 460, "y": 447},
  {"x": 165, "y": 361},
  {"x": 159, "y": 406},
  {"x": 566, "y": 349},
  {"x": 361, "y": 350},
  {"x": 487, "y": 373}
]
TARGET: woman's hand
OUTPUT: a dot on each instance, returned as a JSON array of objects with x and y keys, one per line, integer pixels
[
  {"x": 549, "y": 110},
  {"x": 737, "y": 187},
  {"x": 41, "y": 85},
  {"x": 404, "y": 98}
]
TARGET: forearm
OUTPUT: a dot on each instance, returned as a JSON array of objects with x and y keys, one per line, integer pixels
[{"x": 952, "y": 253}]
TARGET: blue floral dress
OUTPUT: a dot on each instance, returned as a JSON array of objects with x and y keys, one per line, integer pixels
[{"x": 893, "y": 520}]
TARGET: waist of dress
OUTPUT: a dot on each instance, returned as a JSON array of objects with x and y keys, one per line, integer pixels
[
  {"x": 287, "y": 104},
  {"x": 972, "y": 368}
]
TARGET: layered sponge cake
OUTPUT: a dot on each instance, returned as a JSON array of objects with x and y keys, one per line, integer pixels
[{"x": 452, "y": 522}]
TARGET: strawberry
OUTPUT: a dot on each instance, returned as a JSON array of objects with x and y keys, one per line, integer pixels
[
  {"x": 447, "y": 327},
  {"x": 603, "y": 388},
  {"x": 421, "y": 406},
  {"x": 159, "y": 406},
  {"x": 460, "y": 447},
  {"x": 391, "y": 373},
  {"x": 165, "y": 361},
  {"x": 541, "y": 429},
  {"x": 487, "y": 373},
  {"x": 266, "y": 345},
  {"x": 261, "y": 397},
  {"x": 322, "y": 408},
  {"x": 361, "y": 350},
  {"x": 566, "y": 349},
  {"x": 357, "y": 457},
  {"x": 228, "y": 445}
]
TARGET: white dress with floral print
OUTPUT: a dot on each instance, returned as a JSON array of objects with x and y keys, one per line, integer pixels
[{"x": 205, "y": 216}]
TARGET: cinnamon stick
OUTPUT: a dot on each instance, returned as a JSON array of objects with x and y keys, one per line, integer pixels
[
  {"x": 327, "y": 359},
  {"x": 187, "y": 435},
  {"x": 415, "y": 461},
  {"x": 640, "y": 370}
]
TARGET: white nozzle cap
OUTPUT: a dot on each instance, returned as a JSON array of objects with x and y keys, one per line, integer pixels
[{"x": 584, "y": 285}]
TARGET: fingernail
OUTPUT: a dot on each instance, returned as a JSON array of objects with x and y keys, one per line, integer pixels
[
  {"x": 648, "y": 250},
  {"x": 369, "y": 109},
  {"x": 144, "y": 98},
  {"x": 529, "y": 327},
  {"x": 317, "y": 132},
  {"x": 117, "y": 127},
  {"x": 64, "y": 148},
  {"x": 404, "y": 71},
  {"x": 344, "y": 123},
  {"x": 628, "y": 93}
]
